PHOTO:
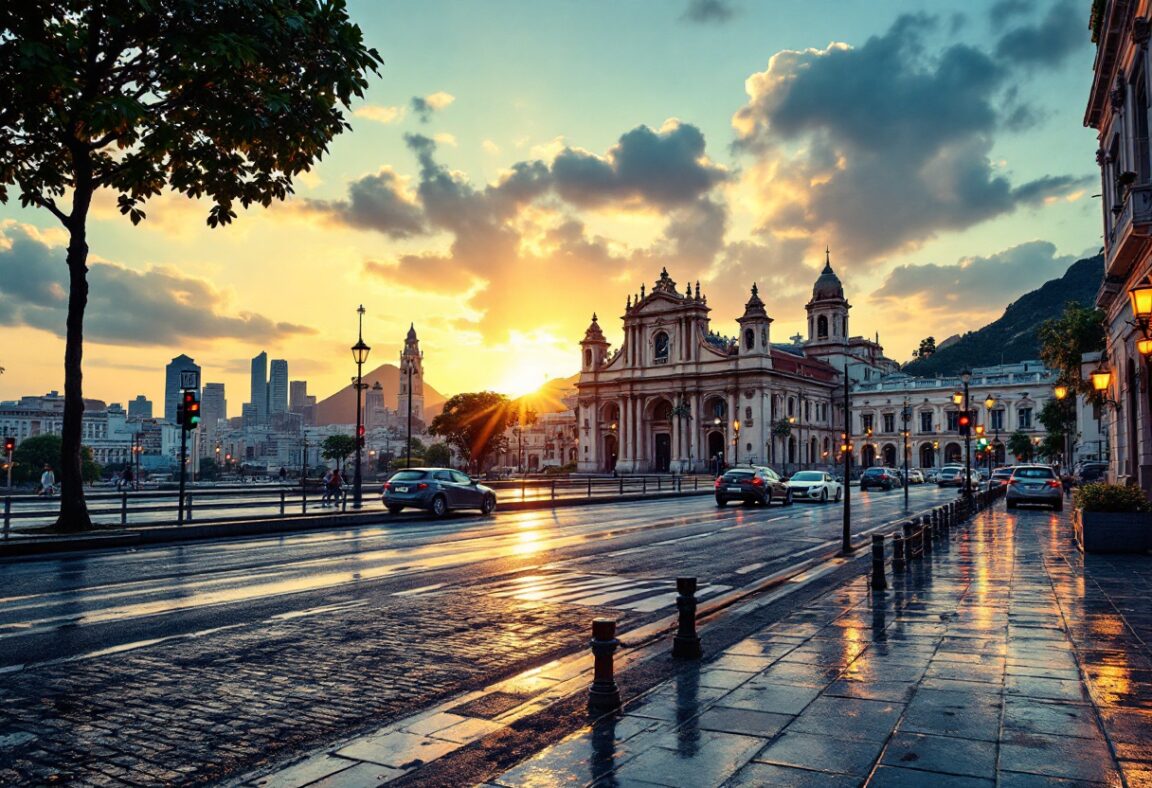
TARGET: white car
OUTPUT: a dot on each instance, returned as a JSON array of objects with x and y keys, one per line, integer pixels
[{"x": 815, "y": 486}]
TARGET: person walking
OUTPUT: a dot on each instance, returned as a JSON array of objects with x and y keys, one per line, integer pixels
[
  {"x": 327, "y": 496},
  {"x": 128, "y": 479},
  {"x": 47, "y": 482},
  {"x": 283, "y": 474},
  {"x": 336, "y": 487}
]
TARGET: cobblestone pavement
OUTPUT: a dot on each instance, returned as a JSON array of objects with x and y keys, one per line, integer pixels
[
  {"x": 194, "y": 710},
  {"x": 1004, "y": 658}
]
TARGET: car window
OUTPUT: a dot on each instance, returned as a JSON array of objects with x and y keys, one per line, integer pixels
[
  {"x": 737, "y": 476},
  {"x": 808, "y": 476},
  {"x": 1035, "y": 473},
  {"x": 771, "y": 475},
  {"x": 407, "y": 476},
  {"x": 460, "y": 478},
  {"x": 442, "y": 476}
]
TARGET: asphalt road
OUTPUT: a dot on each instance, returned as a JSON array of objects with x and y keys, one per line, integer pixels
[{"x": 279, "y": 643}]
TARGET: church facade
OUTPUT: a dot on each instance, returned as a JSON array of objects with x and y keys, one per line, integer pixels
[{"x": 678, "y": 397}]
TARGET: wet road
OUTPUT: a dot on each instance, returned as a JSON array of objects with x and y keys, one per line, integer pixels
[{"x": 620, "y": 555}]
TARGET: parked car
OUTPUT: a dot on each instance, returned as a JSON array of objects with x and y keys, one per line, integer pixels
[
  {"x": 883, "y": 478},
  {"x": 438, "y": 490},
  {"x": 1034, "y": 484},
  {"x": 930, "y": 475},
  {"x": 1091, "y": 472},
  {"x": 915, "y": 476},
  {"x": 815, "y": 486},
  {"x": 950, "y": 476},
  {"x": 1000, "y": 477},
  {"x": 757, "y": 484}
]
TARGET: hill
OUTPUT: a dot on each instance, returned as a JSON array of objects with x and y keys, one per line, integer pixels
[
  {"x": 340, "y": 408},
  {"x": 1013, "y": 336}
]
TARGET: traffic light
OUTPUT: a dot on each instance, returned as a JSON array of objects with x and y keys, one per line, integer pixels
[
  {"x": 190, "y": 416},
  {"x": 360, "y": 436},
  {"x": 964, "y": 423},
  {"x": 9, "y": 446},
  {"x": 979, "y": 429}
]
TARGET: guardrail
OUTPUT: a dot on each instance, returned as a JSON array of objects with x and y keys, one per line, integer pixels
[{"x": 206, "y": 504}]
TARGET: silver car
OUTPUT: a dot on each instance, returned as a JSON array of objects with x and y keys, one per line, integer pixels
[
  {"x": 815, "y": 486},
  {"x": 438, "y": 490},
  {"x": 1034, "y": 484}
]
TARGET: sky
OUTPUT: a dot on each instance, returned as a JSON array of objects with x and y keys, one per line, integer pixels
[{"x": 518, "y": 166}]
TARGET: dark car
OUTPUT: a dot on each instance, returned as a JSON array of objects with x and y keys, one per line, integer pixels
[
  {"x": 1092, "y": 472},
  {"x": 439, "y": 490},
  {"x": 882, "y": 478},
  {"x": 752, "y": 485},
  {"x": 1000, "y": 477}
]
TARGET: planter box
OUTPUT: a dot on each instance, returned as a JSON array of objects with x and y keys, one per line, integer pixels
[{"x": 1112, "y": 532}]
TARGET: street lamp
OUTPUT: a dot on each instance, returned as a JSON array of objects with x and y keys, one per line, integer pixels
[
  {"x": 990, "y": 402},
  {"x": 736, "y": 441},
  {"x": 965, "y": 377},
  {"x": 906, "y": 416},
  {"x": 1061, "y": 391},
  {"x": 407, "y": 363},
  {"x": 716, "y": 422},
  {"x": 359, "y": 355}
]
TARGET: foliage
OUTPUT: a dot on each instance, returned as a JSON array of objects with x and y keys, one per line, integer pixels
[
  {"x": 438, "y": 454},
  {"x": 1058, "y": 416},
  {"x": 209, "y": 470},
  {"x": 227, "y": 100},
  {"x": 337, "y": 447},
  {"x": 1064, "y": 339},
  {"x": 781, "y": 428},
  {"x": 560, "y": 470},
  {"x": 474, "y": 424},
  {"x": 1104, "y": 497},
  {"x": 90, "y": 470},
  {"x": 1013, "y": 336},
  {"x": 926, "y": 349},
  {"x": 32, "y": 454},
  {"x": 1021, "y": 446}
]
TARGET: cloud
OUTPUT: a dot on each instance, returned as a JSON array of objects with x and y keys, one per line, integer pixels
[
  {"x": 1048, "y": 43},
  {"x": 881, "y": 147},
  {"x": 380, "y": 114},
  {"x": 708, "y": 11},
  {"x": 1001, "y": 12},
  {"x": 444, "y": 138},
  {"x": 969, "y": 284},
  {"x": 125, "y": 307},
  {"x": 490, "y": 147},
  {"x": 376, "y": 202},
  {"x": 425, "y": 106}
]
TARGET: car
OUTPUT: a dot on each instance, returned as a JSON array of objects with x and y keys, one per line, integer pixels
[
  {"x": 815, "y": 486},
  {"x": 883, "y": 478},
  {"x": 930, "y": 475},
  {"x": 438, "y": 490},
  {"x": 1034, "y": 484},
  {"x": 755, "y": 484},
  {"x": 915, "y": 476},
  {"x": 950, "y": 476},
  {"x": 1000, "y": 477},
  {"x": 1090, "y": 472}
]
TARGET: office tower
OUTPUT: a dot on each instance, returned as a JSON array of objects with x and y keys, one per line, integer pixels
[
  {"x": 213, "y": 405},
  {"x": 297, "y": 395},
  {"x": 140, "y": 408},
  {"x": 172, "y": 372},
  {"x": 278, "y": 387},
  {"x": 259, "y": 398}
]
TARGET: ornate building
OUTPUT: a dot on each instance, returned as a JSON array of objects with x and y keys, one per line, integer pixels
[
  {"x": 411, "y": 378},
  {"x": 677, "y": 396}
]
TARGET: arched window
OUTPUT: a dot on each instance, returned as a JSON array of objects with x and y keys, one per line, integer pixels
[
  {"x": 661, "y": 346},
  {"x": 588, "y": 357},
  {"x": 663, "y": 411},
  {"x": 749, "y": 339},
  {"x": 821, "y": 327}
]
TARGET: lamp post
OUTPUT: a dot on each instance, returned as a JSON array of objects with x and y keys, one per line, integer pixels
[
  {"x": 360, "y": 355},
  {"x": 990, "y": 403},
  {"x": 716, "y": 422},
  {"x": 846, "y": 526},
  {"x": 736, "y": 441},
  {"x": 905, "y": 416},
  {"x": 1061, "y": 391},
  {"x": 965, "y": 377}
]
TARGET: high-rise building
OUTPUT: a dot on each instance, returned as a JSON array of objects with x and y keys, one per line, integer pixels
[
  {"x": 172, "y": 372},
  {"x": 140, "y": 408},
  {"x": 297, "y": 395},
  {"x": 259, "y": 397},
  {"x": 278, "y": 387},
  {"x": 213, "y": 405},
  {"x": 411, "y": 376}
]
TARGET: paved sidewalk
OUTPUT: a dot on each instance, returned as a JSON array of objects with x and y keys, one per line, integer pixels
[{"x": 1004, "y": 658}]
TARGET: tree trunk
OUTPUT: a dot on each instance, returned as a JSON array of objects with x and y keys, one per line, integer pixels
[{"x": 73, "y": 510}]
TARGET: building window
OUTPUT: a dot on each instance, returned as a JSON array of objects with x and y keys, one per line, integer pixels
[
  {"x": 821, "y": 327},
  {"x": 1140, "y": 119},
  {"x": 953, "y": 420},
  {"x": 791, "y": 407},
  {"x": 997, "y": 420},
  {"x": 889, "y": 422},
  {"x": 1025, "y": 418},
  {"x": 866, "y": 423},
  {"x": 926, "y": 421},
  {"x": 588, "y": 357},
  {"x": 749, "y": 339},
  {"x": 661, "y": 345}
]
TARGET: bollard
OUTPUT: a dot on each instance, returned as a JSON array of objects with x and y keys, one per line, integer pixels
[
  {"x": 659, "y": 484},
  {"x": 879, "y": 581},
  {"x": 553, "y": 489},
  {"x": 281, "y": 503},
  {"x": 188, "y": 509},
  {"x": 124, "y": 508},
  {"x": 934, "y": 519},
  {"x": 7, "y": 515},
  {"x": 643, "y": 485},
  {"x": 909, "y": 543},
  {"x": 621, "y": 485},
  {"x": 925, "y": 535},
  {"x": 589, "y": 486},
  {"x": 604, "y": 694},
  {"x": 686, "y": 644},
  {"x": 897, "y": 554}
]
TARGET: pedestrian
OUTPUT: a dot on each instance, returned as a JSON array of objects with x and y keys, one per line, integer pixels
[
  {"x": 336, "y": 487},
  {"x": 128, "y": 478},
  {"x": 327, "y": 496},
  {"x": 47, "y": 481},
  {"x": 283, "y": 474}
]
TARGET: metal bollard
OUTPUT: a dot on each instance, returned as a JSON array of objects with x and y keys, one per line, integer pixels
[
  {"x": 7, "y": 515},
  {"x": 909, "y": 542},
  {"x": 686, "y": 644},
  {"x": 643, "y": 485},
  {"x": 659, "y": 484},
  {"x": 188, "y": 508},
  {"x": 925, "y": 535},
  {"x": 604, "y": 694},
  {"x": 879, "y": 581},
  {"x": 124, "y": 508},
  {"x": 897, "y": 554},
  {"x": 589, "y": 486},
  {"x": 553, "y": 489},
  {"x": 621, "y": 485},
  {"x": 281, "y": 503}
]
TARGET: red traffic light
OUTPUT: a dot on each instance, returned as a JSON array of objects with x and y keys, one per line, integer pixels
[{"x": 9, "y": 445}]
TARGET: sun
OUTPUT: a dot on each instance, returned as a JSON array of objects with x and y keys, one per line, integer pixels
[{"x": 523, "y": 379}]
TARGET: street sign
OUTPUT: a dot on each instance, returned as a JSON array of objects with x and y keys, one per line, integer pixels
[{"x": 189, "y": 378}]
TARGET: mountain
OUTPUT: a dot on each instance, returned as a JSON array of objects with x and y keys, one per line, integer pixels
[
  {"x": 550, "y": 397},
  {"x": 340, "y": 408},
  {"x": 1013, "y": 336}
]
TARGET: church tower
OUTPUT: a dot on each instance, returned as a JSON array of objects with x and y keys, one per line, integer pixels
[
  {"x": 827, "y": 311},
  {"x": 411, "y": 377},
  {"x": 754, "y": 325},
  {"x": 593, "y": 348}
]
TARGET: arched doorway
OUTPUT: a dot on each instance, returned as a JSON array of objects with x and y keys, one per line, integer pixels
[
  {"x": 663, "y": 452},
  {"x": 658, "y": 416},
  {"x": 868, "y": 456},
  {"x": 611, "y": 449},
  {"x": 715, "y": 450},
  {"x": 953, "y": 454},
  {"x": 889, "y": 455},
  {"x": 927, "y": 456}
]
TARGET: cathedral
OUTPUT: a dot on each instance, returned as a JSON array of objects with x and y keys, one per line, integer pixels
[{"x": 678, "y": 397}]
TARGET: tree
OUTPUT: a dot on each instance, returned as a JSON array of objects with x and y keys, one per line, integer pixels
[
  {"x": 1063, "y": 340},
  {"x": 1020, "y": 445},
  {"x": 926, "y": 349},
  {"x": 337, "y": 447},
  {"x": 223, "y": 99},
  {"x": 209, "y": 470},
  {"x": 474, "y": 424},
  {"x": 438, "y": 454},
  {"x": 32, "y": 454}
]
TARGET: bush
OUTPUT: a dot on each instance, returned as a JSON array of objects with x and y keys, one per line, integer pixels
[{"x": 1103, "y": 497}]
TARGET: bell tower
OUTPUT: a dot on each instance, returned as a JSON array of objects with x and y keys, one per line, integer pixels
[
  {"x": 828, "y": 309},
  {"x": 593, "y": 348},
  {"x": 754, "y": 327},
  {"x": 411, "y": 377}
]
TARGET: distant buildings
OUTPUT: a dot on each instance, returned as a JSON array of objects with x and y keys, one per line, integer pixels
[
  {"x": 258, "y": 396},
  {"x": 278, "y": 387},
  {"x": 172, "y": 372},
  {"x": 140, "y": 408}
]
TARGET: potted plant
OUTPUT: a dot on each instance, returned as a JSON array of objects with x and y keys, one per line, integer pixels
[{"x": 1113, "y": 518}]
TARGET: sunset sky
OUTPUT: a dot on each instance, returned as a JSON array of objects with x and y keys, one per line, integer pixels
[{"x": 518, "y": 166}]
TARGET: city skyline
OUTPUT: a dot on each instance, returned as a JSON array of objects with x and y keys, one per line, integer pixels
[{"x": 500, "y": 232}]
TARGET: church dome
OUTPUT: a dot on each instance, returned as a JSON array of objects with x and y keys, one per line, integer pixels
[{"x": 828, "y": 286}]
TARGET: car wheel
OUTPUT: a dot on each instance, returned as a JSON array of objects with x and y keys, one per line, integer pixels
[
  {"x": 839, "y": 495},
  {"x": 394, "y": 509},
  {"x": 1059, "y": 507},
  {"x": 439, "y": 506},
  {"x": 1010, "y": 504},
  {"x": 824, "y": 495},
  {"x": 488, "y": 505},
  {"x": 788, "y": 498},
  {"x": 721, "y": 501}
]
